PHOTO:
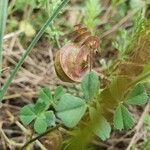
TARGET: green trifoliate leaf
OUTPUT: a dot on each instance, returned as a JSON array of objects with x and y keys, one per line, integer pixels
[
  {"x": 90, "y": 85},
  {"x": 40, "y": 124},
  {"x": 44, "y": 120},
  {"x": 103, "y": 130},
  {"x": 102, "y": 127},
  {"x": 123, "y": 118},
  {"x": 40, "y": 107},
  {"x": 27, "y": 114},
  {"x": 70, "y": 110},
  {"x": 46, "y": 96},
  {"x": 138, "y": 96},
  {"x": 58, "y": 92},
  {"x": 50, "y": 118}
]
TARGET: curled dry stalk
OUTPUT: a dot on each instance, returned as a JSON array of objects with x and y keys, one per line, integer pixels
[
  {"x": 75, "y": 58},
  {"x": 10, "y": 142},
  {"x": 33, "y": 43}
]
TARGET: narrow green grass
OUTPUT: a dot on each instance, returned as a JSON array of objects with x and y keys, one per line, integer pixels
[
  {"x": 3, "y": 16},
  {"x": 33, "y": 43}
]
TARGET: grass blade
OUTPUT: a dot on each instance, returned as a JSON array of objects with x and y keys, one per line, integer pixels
[
  {"x": 33, "y": 43},
  {"x": 3, "y": 16}
]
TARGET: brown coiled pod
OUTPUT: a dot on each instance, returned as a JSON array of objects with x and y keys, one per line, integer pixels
[{"x": 73, "y": 60}]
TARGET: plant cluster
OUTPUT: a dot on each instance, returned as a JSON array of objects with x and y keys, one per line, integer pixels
[
  {"x": 31, "y": 22},
  {"x": 106, "y": 100},
  {"x": 65, "y": 109}
]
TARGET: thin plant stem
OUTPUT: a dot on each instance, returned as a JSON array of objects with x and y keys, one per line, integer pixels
[
  {"x": 90, "y": 60},
  {"x": 139, "y": 79},
  {"x": 39, "y": 136},
  {"x": 33, "y": 43},
  {"x": 136, "y": 81},
  {"x": 11, "y": 6},
  {"x": 3, "y": 16}
]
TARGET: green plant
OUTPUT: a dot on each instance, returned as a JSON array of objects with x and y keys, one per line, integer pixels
[
  {"x": 70, "y": 110},
  {"x": 52, "y": 31},
  {"x": 39, "y": 112},
  {"x": 105, "y": 100},
  {"x": 3, "y": 18},
  {"x": 35, "y": 40},
  {"x": 44, "y": 7},
  {"x": 138, "y": 5},
  {"x": 99, "y": 108},
  {"x": 125, "y": 38},
  {"x": 121, "y": 91},
  {"x": 92, "y": 11},
  {"x": 122, "y": 42}
]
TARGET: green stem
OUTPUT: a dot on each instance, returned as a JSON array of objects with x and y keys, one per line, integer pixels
[
  {"x": 33, "y": 43},
  {"x": 3, "y": 16},
  {"x": 139, "y": 79},
  {"x": 39, "y": 136},
  {"x": 11, "y": 6}
]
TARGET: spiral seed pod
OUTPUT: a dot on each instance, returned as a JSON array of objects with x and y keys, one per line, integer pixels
[
  {"x": 83, "y": 37},
  {"x": 72, "y": 60}
]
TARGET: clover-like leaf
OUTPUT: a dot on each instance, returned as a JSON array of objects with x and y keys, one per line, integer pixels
[
  {"x": 58, "y": 92},
  {"x": 46, "y": 96},
  {"x": 102, "y": 127},
  {"x": 70, "y": 110},
  {"x": 27, "y": 114},
  {"x": 123, "y": 118},
  {"x": 50, "y": 118},
  {"x": 103, "y": 130},
  {"x": 40, "y": 124},
  {"x": 90, "y": 85},
  {"x": 137, "y": 96},
  {"x": 40, "y": 107}
]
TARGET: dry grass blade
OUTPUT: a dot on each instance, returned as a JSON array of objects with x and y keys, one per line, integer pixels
[{"x": 138, "y": 127}]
